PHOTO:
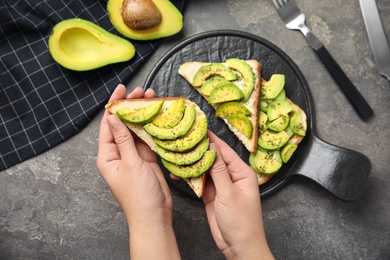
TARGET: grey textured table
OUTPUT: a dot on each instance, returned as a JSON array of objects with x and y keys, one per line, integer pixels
[{"x": 56, "y": 206}]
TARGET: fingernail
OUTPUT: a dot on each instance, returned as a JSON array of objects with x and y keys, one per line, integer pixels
[
  {"x": 213, "y": 146},
  {"x": 113, "y": 121}
]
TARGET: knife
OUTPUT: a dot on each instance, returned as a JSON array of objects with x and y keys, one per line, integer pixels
[{"x": 376, "y": 36}]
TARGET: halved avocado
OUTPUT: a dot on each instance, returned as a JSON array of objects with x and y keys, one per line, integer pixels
[
  {"x": 171, "y": 116},
  {"x": 175, "y": 132},
  {"x": 187, "y": 142},
  {"x": 247, "y": 74},
  {"x": 81, "y": 45},
  {"x": 143, "y": 115},
  {"x": 171, "y": 22},
  {"x": 193, "y": 170},
  {"x": 213, "y": 69},
  {"x": 186, "y": 158}
]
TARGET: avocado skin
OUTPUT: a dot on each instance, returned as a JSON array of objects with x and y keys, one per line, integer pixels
[
  {"x": 171, "y": 22},
  {"x": 193, "y": 170},
  {"x": 81, "y": 45}
]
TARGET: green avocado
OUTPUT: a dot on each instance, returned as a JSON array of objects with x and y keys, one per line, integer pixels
[
  {"x": 186, "y": 158},
  {"x": 247, "y": 74},
  {"x": 187, "y": 142},
  {"x": 231, "y": 108},
  {"x": 242, "y": 123},
  {"x": 288, "y": 151},
  {"x": 266, "y": 162},
  {"x": 225, "y": 92},
  {"x": 272, "y": 88},
  {"x": 175, "y": 132},
  {"x": 213, "y": 69},
  {"x": 193, "y": 170},
  {"x": 171, "y": 21},
  {"x": 278, "y": 108},
  {"x": 271, "y": 140},
  {"x": 81, "y": 45},
  {"x": 143, "y": 115},
  {"x": 297, "y": 124},
  {"x": 210, "y": 83},
  {"x": 279, "y": 124},
  {"x": 171, "y": 116}
]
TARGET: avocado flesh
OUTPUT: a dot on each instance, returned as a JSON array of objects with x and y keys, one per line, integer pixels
[
  {"x": 242, "y": 123},
  {"x": 193, "y": 170},
  {"x": 272, "y": 88},
  {"x": 297, "y": 125},
  {"x": 247, "y": 74},
  {"x": 143, "y": 115},
  {"x": 278, "y": 108},
  {"x": 210, "y": 83},
  {"x": 271, "y": 140},
  {"x": 171, "y": 116},
  {"x": 213, "y": 69},
  {"x": 81, "y": 45},
  {"x": 266, "y": 162},
  {"x": 187, "y": 142},
  {"x": 175, "y": 132},
  {"x": 231, "y": 108},
  {"x": 186, "y": 158},
  {"x": 279, "y": 124},
  {"x": 224, "y": 93},
  {"x": 171, "y": 22},
  {"x": 287, "y": 152}
]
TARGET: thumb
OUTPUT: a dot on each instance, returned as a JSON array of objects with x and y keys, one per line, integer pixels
[
  {"x": 122, "y": 137},
  {"x": 219, "y": 172}
]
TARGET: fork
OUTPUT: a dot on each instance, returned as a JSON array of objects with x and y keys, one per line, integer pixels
[{"x": 294, "y": 19}]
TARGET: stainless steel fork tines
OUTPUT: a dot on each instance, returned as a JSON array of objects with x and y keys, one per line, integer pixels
[{"x": 294, "y": 19}]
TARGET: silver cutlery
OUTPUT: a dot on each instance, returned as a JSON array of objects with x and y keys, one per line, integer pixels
[
  {"x": 376, "y": 36},
  {"x": 294, "y": 19}
]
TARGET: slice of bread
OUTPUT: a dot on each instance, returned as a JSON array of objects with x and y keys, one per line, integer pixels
[
  {"x": 188, "y": 71},
  {"x": 197, "y": 184},
  {"x": 294, "y": 139}
]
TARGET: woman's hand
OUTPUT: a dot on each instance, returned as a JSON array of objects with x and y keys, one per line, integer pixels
[
  {"x": 130, "y": 170},
  {"x": 233, "y": 206}
]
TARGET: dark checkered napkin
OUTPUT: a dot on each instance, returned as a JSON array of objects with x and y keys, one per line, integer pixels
[{"x": 42, "y": 103}]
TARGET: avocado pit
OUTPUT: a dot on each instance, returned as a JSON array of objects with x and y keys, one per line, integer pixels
[{"x": 140, "y": 14}]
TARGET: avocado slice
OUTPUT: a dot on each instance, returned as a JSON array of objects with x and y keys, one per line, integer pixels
[
  {"x": 279, "y": 124},
  {"x": 81, "y": 45},
  {"x": 171, "y": 116},
  {"x": 263, "y": 119},
  {"x": 193, "y": 170},
  {"x": 213, "y": 69},
  {"x": 247, "y": 74},
  {"x": 265, "y": 102},
  {"x": 266, "y": 162},
  {"x": 271, "y": 89},
  {"x": 278, "y": 108},
  {"x": 224, "y": 93},
  {"x": 186, "y": 158},
  {"x": 231, "y": 108},
  {"x": 297, "y": 125},
  {"x": 177, "y": 131},
  {"x": 143, "y": 115},
  {"x": 242, "y": 123},
  {"x": 271, "y": 140},
  {"x": 187, "y": 142},
  {"x": 171, "y": 21},
  {"x": 287, "y": 152},
  {"x": 210, "y": 83}
]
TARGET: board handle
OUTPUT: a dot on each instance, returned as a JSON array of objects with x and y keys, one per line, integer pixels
[{"x": 341, "y": 171}]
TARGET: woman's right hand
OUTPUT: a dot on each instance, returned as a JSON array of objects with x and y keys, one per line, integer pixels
[{"x": 233, "y": 206}]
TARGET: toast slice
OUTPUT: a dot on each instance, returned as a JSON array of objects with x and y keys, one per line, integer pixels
[
  {"x": 195, "y": 183},
  {"x": 250, "y": 101}
]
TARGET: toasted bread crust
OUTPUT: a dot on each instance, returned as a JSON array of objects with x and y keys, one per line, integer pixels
[
  {"x": 188, "y": 70},
  {"x": 196, "y": 184}
]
